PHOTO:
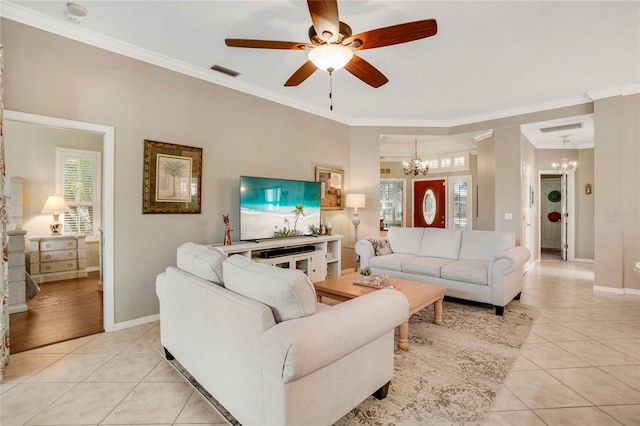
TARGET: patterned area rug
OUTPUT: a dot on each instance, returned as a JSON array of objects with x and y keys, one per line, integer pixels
[{"x": 451, "y": 373}]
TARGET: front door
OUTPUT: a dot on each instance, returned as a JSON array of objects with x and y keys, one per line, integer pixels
[{"x": 429, "y": 201}]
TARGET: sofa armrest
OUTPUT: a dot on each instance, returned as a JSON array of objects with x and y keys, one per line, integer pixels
[
  {"x": 364, "y": 251},
  {"x": 507, "y": 261},
  {"x": 295, "y": 348}
]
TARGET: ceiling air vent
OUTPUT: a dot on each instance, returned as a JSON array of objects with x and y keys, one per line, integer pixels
[
  {"x": 226, "y": 71},
  {"x": 561, "y": 128},
  {"x": 385, "y": 171}
]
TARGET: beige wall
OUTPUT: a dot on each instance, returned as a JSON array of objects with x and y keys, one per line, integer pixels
[
  {"x": 30, "y": 152},
  {"x": 52, "y": 76},
  {"x": 240, "y": 134},
  {"x": 584, "y": 205},
  {"x": 616, "y": 191}
]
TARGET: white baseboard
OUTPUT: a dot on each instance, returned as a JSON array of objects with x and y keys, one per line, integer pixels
[
  {"x": 616, "y": 290},
  {"x": 577, "y": 259},
  {"x": 606, "y": 289},
  {"x": 138, "y": 321},
  {"x": 93, "y": 269}
]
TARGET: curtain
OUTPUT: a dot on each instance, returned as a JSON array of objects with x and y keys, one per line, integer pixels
[{"x": 4, "y": 285}]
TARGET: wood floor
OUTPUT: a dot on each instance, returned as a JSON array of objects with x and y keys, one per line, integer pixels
[{"x": 62, "y": 310}]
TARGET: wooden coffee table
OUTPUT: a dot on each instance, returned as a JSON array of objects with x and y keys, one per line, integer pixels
[{"x": 420, "y": 295}]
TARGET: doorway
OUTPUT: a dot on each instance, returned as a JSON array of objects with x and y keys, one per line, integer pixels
[
  {"x": 108, "y": 145},
  {"x": 556, "y": 212},
  {"x": 429, "y": 203}
]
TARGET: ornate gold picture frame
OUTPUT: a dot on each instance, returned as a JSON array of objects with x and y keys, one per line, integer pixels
[{"x": 172, "y": 178}]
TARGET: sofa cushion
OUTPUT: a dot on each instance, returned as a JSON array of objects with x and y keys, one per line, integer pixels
[
  {"x": 380, "y": 246},
  {"x": 202, "y": 261},
  {"x": 405, "y": 240},
  {"x": 427, "y": 266},
  {"x": 437, "y": 242},
  {"x": 389, "y": 262},
  {"x": 484, "y": 245},
  {"x": 288, "y": 292},
  {"x": 470, "y": 271}
]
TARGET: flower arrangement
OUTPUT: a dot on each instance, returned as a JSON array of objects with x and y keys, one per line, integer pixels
[{"x": 365, "y": 271}]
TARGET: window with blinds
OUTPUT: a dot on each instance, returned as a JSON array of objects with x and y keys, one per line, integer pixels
[{"x": 78, "y": 180}]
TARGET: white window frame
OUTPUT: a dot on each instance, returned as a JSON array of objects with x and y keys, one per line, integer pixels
[
  {"x": 451, "y": 181},
  {"x": 404, "y": 196},
  {"x": 96, "y": 156}
]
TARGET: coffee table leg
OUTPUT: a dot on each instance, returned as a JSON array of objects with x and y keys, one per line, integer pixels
[
  {"x": 403, "y": 336},
  {"x": 437, "y": 312}
]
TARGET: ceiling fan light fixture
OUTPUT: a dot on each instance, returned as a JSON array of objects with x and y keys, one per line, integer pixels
[{"x": 330, "y": 57}]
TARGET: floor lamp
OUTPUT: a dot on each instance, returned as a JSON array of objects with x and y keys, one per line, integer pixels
[{"x": 354, "y": 201}]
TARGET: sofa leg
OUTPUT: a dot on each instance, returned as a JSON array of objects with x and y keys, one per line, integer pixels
[
  {"x": 168, "y": 355},
  {"x": 382, "y": 392},
  {"x": 517, "y": 296},
  {"x": 500, "y": 310}
]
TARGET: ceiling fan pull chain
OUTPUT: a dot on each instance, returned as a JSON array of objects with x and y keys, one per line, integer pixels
[{"x": 330, "y": 91}]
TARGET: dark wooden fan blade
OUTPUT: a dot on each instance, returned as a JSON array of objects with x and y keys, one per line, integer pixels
[
  {"x": 366, "y": 72},
  {"x": 324, "y": 16},
  {"x": 394, "y": 34},
  {"x": 301, "y": 74},
  {"x": 267, "y": 44}
]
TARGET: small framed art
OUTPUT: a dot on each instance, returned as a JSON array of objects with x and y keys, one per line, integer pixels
[
  {"x": 172, "y": 178},
  {"x": 331, "y": 188}
]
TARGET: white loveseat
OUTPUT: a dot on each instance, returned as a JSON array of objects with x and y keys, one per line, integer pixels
[
  {"x": 254, "y": 337},
  {"x": 481, "y": 266}
]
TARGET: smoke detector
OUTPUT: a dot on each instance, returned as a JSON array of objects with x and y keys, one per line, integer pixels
[{"x": 75, "y": 12}]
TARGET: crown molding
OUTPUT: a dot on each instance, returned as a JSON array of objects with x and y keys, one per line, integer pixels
[{"x": 76, "y": 32}]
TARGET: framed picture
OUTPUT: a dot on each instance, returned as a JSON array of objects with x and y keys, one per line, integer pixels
[
  {"x": 331, "y": 188},
  {"x": 172, "y": 178}
]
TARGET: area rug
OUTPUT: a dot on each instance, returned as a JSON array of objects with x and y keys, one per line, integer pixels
[{"x": 451, "y": 373}]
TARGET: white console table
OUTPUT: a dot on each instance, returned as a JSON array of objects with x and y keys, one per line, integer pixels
[
  {"x": 57, "y": 257},
  {"x": 324, "y": 261}
]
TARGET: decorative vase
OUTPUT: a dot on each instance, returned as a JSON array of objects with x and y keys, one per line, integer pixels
[{"x": 365, "y": 279}]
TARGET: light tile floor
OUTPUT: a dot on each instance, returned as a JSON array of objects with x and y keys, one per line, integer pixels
[
  {"x": 581, "y": 362},
  {"x": 579, "y": 366},
  {"x": 114, "y": 378}
]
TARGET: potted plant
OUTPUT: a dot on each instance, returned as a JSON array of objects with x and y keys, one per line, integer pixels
[{"x": 365, "y": 272}]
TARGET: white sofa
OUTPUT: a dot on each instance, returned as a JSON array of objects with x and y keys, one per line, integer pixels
[
  {"x": 254, "y": 337},
  {"x": 481, "y": 266}
]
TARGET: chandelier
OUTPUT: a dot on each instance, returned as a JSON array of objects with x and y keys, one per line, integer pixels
[
  {"x": 416, "y": 166},
  {"x": 565, "y": 165}
]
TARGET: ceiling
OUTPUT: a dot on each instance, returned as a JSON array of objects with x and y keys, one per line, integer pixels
[{"x": 488, "y": 60}]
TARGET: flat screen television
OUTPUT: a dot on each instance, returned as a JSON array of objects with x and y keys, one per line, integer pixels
[{"x": 276, "y": 208}]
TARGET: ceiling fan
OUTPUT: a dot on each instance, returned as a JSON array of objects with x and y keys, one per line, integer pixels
[{"x": 332, "y": 44}]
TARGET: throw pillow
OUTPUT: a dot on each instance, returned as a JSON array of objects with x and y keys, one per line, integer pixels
[
  {"x": 202, "y": 261},
  {"x": 380, "y": 246},
  {"x": 288, "y": 292}
]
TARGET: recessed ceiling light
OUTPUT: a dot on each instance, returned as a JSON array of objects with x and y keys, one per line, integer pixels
[{"x": 75, "y": 12}]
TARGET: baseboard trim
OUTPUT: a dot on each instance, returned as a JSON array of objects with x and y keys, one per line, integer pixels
[
  {"x": 18, "y": 307},
  {"x": 605, "y": 289},
  {"x": 139, "y": 321},
  {"x": 633, "y": 291},
  {"x": 93, "y": 269},
  {"x": 577, "y": 259}
]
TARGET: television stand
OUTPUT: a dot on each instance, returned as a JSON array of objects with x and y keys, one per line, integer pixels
[{"x": 320, "y": 259}]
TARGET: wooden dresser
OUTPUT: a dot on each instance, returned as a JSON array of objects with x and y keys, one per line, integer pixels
[{"x": 57, "y": 257}]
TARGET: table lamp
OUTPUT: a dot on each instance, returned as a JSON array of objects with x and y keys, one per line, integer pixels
[{"x": 55, "y": 204}]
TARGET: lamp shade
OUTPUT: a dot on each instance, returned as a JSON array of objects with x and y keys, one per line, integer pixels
[
  {"x": 355, "y": 201},
  {"x": 330, "y": 57},
  {"x": 55, "y": 203}
]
